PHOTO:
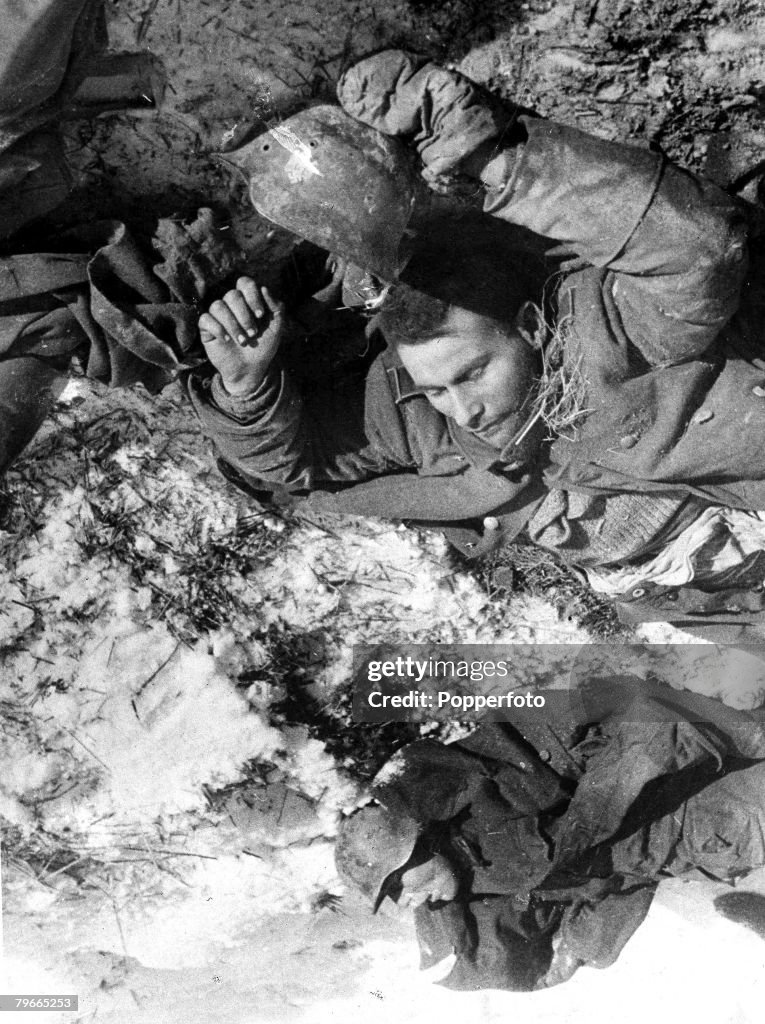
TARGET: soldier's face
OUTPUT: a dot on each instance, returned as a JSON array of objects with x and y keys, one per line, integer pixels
[
  {"x": 476, "y": 372},
  {"x": 432, "y": 881}
]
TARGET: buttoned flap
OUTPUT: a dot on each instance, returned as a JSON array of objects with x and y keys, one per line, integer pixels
[
  {"x": 489, "y": 533},
  {"x": 649, "y": 603}
]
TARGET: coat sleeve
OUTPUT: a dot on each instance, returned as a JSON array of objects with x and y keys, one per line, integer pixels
[
  {"x": 325, "y": 440},
  {"x": 675, "y": 244}
]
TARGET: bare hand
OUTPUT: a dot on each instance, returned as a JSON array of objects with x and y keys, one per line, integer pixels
[
  {"x": 242, "y": 333},
  {"x": 433, "y": 881},
  {"x": 563, "y": 966}
]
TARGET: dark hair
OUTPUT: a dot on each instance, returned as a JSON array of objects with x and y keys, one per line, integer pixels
[{"x": 474, "y": 262}]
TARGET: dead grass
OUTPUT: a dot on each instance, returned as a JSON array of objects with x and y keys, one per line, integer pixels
[
  {"x": 562, "y": 393},
  {"x": 526, "y": 568}
]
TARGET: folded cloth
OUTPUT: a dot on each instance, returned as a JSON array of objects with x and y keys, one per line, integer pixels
[
  {"x": 720, "y": 544},
  {"x": 103, "y": 299}
]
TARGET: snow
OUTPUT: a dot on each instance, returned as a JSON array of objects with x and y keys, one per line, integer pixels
[
  {"x": 126, "y": 718},
  {"x": 129, "y": 713}
]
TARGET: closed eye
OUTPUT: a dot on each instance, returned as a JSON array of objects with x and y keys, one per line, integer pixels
[
  {"x": 470, "y": 377},
  {"x": 476, "y": 373}
]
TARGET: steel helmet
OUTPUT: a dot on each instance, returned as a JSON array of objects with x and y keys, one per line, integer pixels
[
  {"x": 334, "y": 181},
  {"x": 373, "y": 843}
]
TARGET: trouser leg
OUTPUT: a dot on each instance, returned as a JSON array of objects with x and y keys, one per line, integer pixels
[{"x": 29, "y": 388}]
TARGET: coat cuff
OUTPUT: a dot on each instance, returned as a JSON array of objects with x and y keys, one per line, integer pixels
[{"x": 240, "y": 407}]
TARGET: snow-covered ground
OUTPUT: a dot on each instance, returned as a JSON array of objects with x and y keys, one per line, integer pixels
[
  {"x": 144, "y": 621},
  {"x": 124, "y": 712},
  {"x": 152, "y": 624}
]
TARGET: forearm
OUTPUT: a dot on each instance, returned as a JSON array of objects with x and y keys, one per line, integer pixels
[
  {"x": 261, "y": 433},
  {"x": 675, "y": 245},
  {"x": 272, "y": 435},
  {"x": 677, "y": 242}
]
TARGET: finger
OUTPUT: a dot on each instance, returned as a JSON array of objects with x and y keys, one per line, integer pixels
[
  {"x": 225, "y": 317},
  {"x": 275, "y": 306},
  {"x": 210, "y": 330},
  {"x": 238, "y": 305},
  {"x": 251, "y": 294}
]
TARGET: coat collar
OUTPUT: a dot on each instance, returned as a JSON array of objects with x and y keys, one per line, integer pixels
[{"x": 402, "y": 384}]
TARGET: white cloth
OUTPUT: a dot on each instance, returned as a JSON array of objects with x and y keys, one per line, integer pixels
[{"x": 719, "y": 540}]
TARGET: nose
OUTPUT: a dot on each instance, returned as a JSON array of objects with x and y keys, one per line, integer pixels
[{"x": 466, "y": 412}]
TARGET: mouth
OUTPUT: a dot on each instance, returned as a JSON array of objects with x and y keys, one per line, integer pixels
[{"x": 488, "y": 428}]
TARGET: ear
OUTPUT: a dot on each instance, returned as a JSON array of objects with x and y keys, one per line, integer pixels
[{"x": 530, "y": 324}]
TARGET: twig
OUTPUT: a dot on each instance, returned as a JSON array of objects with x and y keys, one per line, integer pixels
[
  {"x": 157, "y": 671},
  {"x": 65, "y": 867},
  {"x": 174, "y": 853},
  {"x": 145, "y": 22},
  {"x": 85, "y": 747},
  {"x": 113, "y": 902}
]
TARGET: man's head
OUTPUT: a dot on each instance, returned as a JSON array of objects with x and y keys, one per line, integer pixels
[
  {"x": 382, "y": 853},
  {"x": 374, "y": 844},
  {"x": 466, "y": 328}
]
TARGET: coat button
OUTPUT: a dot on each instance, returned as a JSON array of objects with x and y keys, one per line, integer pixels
[
  {"x": 544, "y": 755},
  {"x": 671, "y": 595},
  {"x": 638, "y": 592},
  {"x": 629, "y": 440},
  {"x": 491, "y": 523},
  {"x": 703, "y": 416}
]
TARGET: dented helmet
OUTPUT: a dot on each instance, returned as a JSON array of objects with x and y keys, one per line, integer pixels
[
  {"x": 373, "y": 843},
  {"x": 334, "y": 181}
]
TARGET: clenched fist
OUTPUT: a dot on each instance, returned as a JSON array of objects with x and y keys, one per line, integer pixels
[
  {"x": 241, "y": 334},
  {"x": 445, "y": 115}
]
